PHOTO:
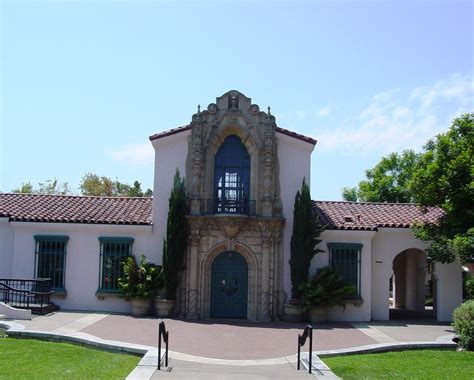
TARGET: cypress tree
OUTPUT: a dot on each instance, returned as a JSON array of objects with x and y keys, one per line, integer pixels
[
  {"x": 174, "y": 246},
  {"x": 304, "y": 240}
]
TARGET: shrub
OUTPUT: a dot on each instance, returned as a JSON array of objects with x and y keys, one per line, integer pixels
[
  {"x": 468, "y": 286},
  {"x": 304, "y": 240},
  {"x": 326, "y": 288},
  {"x": 174, "y": 247},
  {"x": 140, "y": 280},
  {"x": 463, "y": 323}
]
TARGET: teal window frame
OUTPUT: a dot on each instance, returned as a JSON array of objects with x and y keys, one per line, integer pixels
[
  {"x": 50, "y": 259},
  {"x": 113, "y": 252},
  {"x": 345, "y": 258}
]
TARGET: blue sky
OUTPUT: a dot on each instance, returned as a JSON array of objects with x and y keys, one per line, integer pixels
[{"x": 84, "y": 83}]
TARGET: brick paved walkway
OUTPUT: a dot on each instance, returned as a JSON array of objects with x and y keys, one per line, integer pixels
[
  {"x": 227, "y": 340},
  {"x": 236, "y": 340}
]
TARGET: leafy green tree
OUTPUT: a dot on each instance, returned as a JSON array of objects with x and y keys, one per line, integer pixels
[
  {"x": 95, "y": 185},
  {"x": 50, "y": 186},
  {"x": 349, "y": 194},
  {"x": 445, "y": 177},
  {"x": 175, "y": 244},
  {"x": 92, "y": 184},
  {"x": 304, "y": 240},
  {"x": 388, "y": 181},
  {"x": 26, "y": 188}
]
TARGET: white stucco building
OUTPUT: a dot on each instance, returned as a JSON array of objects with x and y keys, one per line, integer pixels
[{"x": 242, "y": 172}]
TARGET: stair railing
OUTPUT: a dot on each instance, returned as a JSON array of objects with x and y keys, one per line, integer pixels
[
  {"x": 165, "y": 334},
  {"x": 27, "y": 293},
  {"x": 308, "y": 332}
]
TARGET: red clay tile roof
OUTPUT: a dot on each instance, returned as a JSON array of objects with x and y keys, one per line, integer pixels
[
  {"x": 296, "y": 135},
  {"x": 170, "y": 132},
  {"x": 188, "y": 127},
  {"x": 76, "y": 209},
  {"x": 340, "y": 215}
]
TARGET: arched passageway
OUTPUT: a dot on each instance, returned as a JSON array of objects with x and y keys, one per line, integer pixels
[{"x": 412, "y": 286}]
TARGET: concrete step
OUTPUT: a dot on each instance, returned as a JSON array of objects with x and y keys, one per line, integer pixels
[{"x": 191, "y": 370}]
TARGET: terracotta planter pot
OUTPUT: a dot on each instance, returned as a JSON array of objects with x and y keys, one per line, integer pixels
[
  {"x": 293, "y": 313},
  {"x": 164, "y": 308},
  {"x": 140, "y": 307},
  {"x": 317, "y": 314}
]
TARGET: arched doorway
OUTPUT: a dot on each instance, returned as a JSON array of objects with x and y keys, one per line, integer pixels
[
  {"x": 229, "y": 279},
  {"x": 411, "y": 286}
]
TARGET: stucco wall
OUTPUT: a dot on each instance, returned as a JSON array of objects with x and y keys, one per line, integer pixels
[
  {"x": 170, "y": 153},
  {"x": 379, "y": 250},
  {"x": 82, "y": 259},
  {"x": 352, "y": 312},
  {"x": 6, "y": 248},
  {"x": 448, "y": 289},
  {"x": 294, "y": 158}
]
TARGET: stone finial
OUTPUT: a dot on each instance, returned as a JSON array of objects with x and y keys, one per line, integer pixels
[
  {"x": 269, "y": 111},
  {"x": 199, "y": 109}
]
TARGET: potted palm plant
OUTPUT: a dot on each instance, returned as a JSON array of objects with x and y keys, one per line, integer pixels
[
  {"x": 139, "y": 283},
  {"x": 325, "y": 289}
]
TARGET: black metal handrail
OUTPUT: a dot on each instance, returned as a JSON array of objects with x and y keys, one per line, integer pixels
[
  {"x": 165, "y": 334},
  {"x": 308, "y": 331},
  {"x": 230, "y": 206},
  {"x": 32, "y": 294}
]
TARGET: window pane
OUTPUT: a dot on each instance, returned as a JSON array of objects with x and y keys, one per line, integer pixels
[
  {"x": 232, "y": 177},
  {"x": 50, "y": 261},
  {"x": 114, "y": 255},
  {"x": 346, "y": 261}
]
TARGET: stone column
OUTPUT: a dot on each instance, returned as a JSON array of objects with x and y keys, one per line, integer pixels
[
  {"x": 193, "y": 278},
  {"x": 265, "y": 294}
]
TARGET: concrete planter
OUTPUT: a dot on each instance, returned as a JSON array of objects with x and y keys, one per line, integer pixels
[
  {"x": 317, "y": 314},
  {"x": 163, "y": 308},
  {"x": 140, "y": 307},
  {"x": 293, "y": 313}
]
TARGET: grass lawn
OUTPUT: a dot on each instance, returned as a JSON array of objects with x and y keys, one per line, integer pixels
[
  {"x": 35, "y": 359},
  {"x": 415, "y": 364}
]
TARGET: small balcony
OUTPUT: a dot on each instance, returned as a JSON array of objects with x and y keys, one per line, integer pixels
[{"x": 229, "y": 206}]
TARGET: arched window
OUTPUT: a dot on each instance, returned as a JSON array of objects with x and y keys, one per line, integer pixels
[{"x": 232, "y": 177}]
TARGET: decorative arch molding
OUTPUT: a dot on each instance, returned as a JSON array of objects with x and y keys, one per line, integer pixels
[
  {"x": 234, "y": 114},
  {"x": 205, "y": 275}
]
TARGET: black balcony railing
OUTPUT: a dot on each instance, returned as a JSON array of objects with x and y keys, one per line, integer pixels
[
  {"x": 230, "y": 206},
  {"x": 34, "y": 294}
]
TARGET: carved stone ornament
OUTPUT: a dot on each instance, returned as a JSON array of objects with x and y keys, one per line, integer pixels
[
  {"x": 231, "y": 227},
  {"x": 212, "y": 108},
  {"x": 254, "y": 109}
]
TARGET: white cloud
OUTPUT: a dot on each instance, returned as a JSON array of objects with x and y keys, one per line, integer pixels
[
  {"x": 325, "y": 111},
  {"x": 134, "y": 154},
  {"x": 393, "y": 121}
]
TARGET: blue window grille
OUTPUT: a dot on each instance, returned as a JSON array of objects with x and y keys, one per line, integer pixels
[
  {"x": 113, "y": 253},
  {"x": 232, "y": 177},
  {"x": 344, "y": 258},
  {"x": 50, "y": 258}
]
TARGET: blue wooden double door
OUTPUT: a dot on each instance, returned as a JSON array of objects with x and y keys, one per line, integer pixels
[{"x": 229, "y": 278}]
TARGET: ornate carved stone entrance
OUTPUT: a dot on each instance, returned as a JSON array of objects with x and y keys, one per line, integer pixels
[{"x": 234, "y": 190}]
